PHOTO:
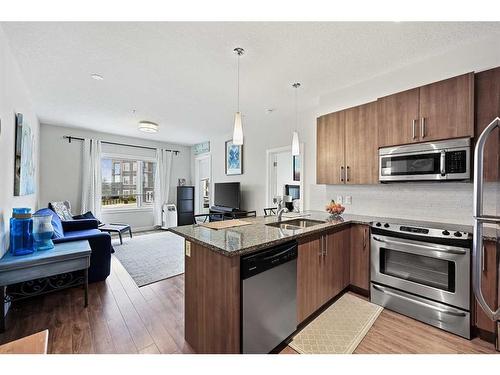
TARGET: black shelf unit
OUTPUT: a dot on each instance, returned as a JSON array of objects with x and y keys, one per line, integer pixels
[{"x": 185, "y": 205}]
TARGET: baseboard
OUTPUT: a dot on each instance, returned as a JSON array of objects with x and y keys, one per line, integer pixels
[
  {"x": 484, "y": 335},
  {"x": 360, "y": 291},
  {"x": 142, "y": 229}
]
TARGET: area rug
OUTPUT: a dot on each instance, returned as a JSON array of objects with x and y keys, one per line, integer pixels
[
  {"x": 149, "y": 258},
  {"x": 339, "y": 329}
]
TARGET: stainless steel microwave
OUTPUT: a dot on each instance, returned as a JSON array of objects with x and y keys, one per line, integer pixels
[{"x": 429, "y": 161}]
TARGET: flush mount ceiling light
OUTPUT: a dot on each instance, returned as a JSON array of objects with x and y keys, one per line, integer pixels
[
  {"x": 148, "y": 127},
  {"x": 97, "y": 77},
  {"x": 238, "y": 126},
  {"x": 295, "y": 137}
]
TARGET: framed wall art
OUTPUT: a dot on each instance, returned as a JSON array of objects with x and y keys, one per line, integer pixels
[
  {"x": 234, "y": 159},
  {"x": 24, "y": 156}
]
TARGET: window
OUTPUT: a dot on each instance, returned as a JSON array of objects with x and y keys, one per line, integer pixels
[{"x": 127, "y": 183}]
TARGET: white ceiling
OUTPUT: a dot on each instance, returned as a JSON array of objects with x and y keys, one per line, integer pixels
[{"x": 183, "y": 75}]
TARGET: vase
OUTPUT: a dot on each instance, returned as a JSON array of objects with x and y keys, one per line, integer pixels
[
  {"x": 21, "y": 227},
  {"x": 43, "y": 231}
]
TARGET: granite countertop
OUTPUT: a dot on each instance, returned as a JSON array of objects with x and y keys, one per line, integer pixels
[{"x": 249, "y": 238}]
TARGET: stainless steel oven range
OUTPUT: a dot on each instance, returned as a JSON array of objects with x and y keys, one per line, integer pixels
[{"x": 423, "y": 273}]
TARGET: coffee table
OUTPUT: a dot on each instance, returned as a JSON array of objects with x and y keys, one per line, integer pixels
[
  {"x": 116, "y": 228},
  {"x": 40, "y": 268}
]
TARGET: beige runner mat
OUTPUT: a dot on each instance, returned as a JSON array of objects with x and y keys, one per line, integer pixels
[{"x": 339, "y": 329}]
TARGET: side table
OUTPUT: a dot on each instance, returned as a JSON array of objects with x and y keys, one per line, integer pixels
[{"x": 41, "y": 267}]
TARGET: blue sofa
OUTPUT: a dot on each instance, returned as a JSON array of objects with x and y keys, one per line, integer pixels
[{"x": 85, "y": 229}]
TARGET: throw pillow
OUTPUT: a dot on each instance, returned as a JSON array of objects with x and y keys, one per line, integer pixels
[
  {"x": 62, "y": 209},
  {"x": 56, "y": 222}
]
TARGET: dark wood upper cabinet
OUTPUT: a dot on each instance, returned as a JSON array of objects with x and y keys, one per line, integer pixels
[
  {"x": 340, "y": 137},
  {"x": 447, "y": 109},
  {"x": 440, "y": 110},
  {"x": 360, "y": 257},
  {"x": 361, "y": 144},
  {"x": 330, "y": 149},
  {"x": 487, "y": 108},
  {"x": 398, "y": 118}
]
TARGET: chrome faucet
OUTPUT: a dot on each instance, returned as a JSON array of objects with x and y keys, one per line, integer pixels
[{"x": 281, "y": 211}]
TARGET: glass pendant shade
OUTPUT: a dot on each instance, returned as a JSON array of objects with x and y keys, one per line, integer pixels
[
  {"x": 295, "y": 144},
  {"x": 238, "y": 130}
]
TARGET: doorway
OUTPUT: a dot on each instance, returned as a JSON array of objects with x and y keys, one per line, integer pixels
[
  {"x": 203, "y": 183},
  {"x": 285, "y": 175}
]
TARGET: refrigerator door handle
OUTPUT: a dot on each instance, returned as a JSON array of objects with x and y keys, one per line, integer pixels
[
  {"x": 480, "y": 219},
  {"x": 488, "y": 219}
]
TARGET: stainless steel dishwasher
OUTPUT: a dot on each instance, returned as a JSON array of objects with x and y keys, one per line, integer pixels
[{"x": 269, "y": 297}]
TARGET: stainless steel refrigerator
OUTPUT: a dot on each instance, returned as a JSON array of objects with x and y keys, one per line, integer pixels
[{"x": 486, "y": 213}]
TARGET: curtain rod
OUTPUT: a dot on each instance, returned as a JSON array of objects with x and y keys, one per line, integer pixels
[{"x": 70, "y": 138}]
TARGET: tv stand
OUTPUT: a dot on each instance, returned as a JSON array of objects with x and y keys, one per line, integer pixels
[{"x": 218, "y": 213}]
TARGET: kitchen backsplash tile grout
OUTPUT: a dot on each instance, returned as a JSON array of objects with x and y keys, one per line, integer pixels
[{"x": 444, "y": 201}]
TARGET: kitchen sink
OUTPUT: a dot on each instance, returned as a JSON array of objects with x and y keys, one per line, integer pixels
[{"x": 296, "y": 223}]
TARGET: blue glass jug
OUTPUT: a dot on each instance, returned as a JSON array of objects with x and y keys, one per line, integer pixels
[{"x": 21, "y": 229}]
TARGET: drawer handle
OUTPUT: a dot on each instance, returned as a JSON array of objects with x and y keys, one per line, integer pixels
[
  {"x": 439, "y": 309},
  {"x": 435, "y": 248}
]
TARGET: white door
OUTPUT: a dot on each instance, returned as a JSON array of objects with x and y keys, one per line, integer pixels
[
  {"x": 280, "y": 172},
  {"x": 203, "y": 183}
]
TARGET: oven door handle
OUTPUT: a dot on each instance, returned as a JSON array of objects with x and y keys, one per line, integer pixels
[
  {"x": 448, "y": 250},
  {"x": 398, "y": 295}
]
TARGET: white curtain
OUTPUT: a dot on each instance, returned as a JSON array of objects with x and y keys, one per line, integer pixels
[
  {"x": 91, "y": 179},
  {"x": 162, "y": 181}
]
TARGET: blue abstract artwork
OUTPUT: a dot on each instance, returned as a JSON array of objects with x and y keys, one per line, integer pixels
[
  {"x": 234, "y": 159},
  {"x": 24, "y": 173}
]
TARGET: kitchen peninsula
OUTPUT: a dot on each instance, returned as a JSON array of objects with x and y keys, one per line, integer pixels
[{"x": 333, "y": 255}]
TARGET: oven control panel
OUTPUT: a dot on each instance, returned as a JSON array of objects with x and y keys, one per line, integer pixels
[{"x": 421, "y": 231}]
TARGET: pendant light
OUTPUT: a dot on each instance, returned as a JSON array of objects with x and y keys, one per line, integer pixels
[
  {"x": 295, "y": 137},
  {"x": 238, "y": 126}
]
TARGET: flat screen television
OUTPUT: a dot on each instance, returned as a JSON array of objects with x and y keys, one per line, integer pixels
[{"x": 227, "y": 194}]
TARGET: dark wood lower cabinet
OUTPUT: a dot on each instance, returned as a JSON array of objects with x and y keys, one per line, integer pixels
[
  {"x": 309, "y": 282},
  {"x": 322, "y": 270},
  {"x": 212, "y": 301},
  {"x": 336, "y": 259},
  {"x": 360, "y": 257},
  {"x": 490, "y": 288}
]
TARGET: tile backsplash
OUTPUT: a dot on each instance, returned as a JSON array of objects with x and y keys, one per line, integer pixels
[{"x": 444, "y": 201}]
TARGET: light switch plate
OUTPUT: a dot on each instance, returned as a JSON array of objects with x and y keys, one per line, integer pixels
[
  {"x": 348, "y": 199},
  {"x": 188, "y": 249},
  {"x": 339, "y": 199}
]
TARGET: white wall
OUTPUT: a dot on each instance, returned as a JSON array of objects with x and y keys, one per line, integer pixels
[
  {"x": 14, "y": 97},
  {"x": 61, "y": 170},
  {"x": 442, "y": 201}
]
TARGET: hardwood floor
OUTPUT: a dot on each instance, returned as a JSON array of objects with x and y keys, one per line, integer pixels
[
  {"x": 393, "y": 333},
  {"x": 122, "y": 318}
]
